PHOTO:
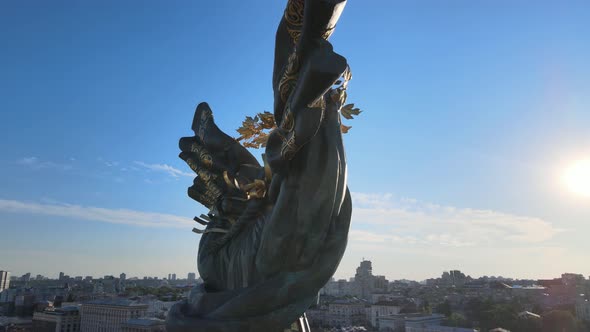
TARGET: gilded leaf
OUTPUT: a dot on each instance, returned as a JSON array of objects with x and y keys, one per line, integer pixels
[
  {"x": 267, "y": 120},
  {"x": 254, "y": 130}
]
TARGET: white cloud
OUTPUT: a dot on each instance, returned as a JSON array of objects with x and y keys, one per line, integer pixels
[
  {"x": 174, "y": 172},
  {"x": 404, "y": 238},
  {"x": 407, "y": 238},
  {"x": 36, "y": 163},
  {"x": 107, "y": 163},
  {"x": 114, "y": 216},
  {"x": 419, "y": 223},
  {"x": 29, "y": 161}
]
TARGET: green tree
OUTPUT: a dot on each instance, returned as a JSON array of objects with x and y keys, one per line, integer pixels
[
  {"x": 529, "y": 325},
  {"x": 559, "y": 321},
  {"x": 457, "y": 320},
  {"x": 444, "y": 308},
  {"x": 426, "y": 307}
]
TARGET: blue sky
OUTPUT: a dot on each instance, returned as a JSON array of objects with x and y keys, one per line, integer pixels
[{"x": 472, "y": 112}]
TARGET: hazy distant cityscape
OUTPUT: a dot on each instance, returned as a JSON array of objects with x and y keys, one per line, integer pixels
[{"x": 453, "y": 302}]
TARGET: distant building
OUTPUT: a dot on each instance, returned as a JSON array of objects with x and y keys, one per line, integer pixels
[
  {"x": 66, "y": 319},
  {"x": 61, "y": 276},
  {"x": 379, "y": 297},
  {"x": 363, "y": 280},
  {"x": 26, "y": 277},
  {"x": 337, "y": 288},
  {"x": 572, "y": 279},
  {"x": 431, "y": 323},
  {"x": 380, "y": 284},
  {"x": 144, "y": 325},
  {"x": 417, "y": 322},
  {"x": 561, "y": 291},
  {"x": 97, "y": 288},
  {"x": 15, "y": 324},
  {"x": 317, "y": 316},
  {"x": 107, "y": 285},
  {"x": 192, "y": 277},
  {"x": 458, "y": 278},
  {"x": 383, "y": 308},
  {"x": 156, "y": 308},
  {"x": 122, "y": 283},
  {"x": 109, "y": 314},
  {"x": 583, "y": 309},
  {"x": 391, "y": 323},
  {"x": 438, "y": 328},
  {"x": 346, "y": 312},
  {"x": 7, "y": 296},
  {"x": 173, "y": 276},
  {"x": 24, "y": 304},
  {"x": 4, "y": 280}
]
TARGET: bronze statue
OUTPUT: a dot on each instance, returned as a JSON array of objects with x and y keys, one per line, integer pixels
[{"x": 276, "y": 232}]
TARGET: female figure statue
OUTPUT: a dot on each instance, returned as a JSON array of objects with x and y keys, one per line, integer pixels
[{"x": 276, "y": 232}]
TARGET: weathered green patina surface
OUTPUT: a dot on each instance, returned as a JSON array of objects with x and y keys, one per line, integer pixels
[{"x": 275, "y": 232}]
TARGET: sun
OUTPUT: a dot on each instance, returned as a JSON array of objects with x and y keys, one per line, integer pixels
[{"x": 577, "y": 177}]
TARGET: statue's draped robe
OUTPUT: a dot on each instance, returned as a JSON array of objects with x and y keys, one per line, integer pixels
[{"x": 283, "y": 247}]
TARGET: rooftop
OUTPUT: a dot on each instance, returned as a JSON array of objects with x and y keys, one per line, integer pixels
[
  {"x": 120, "y": 302},
  {"x": 144, "y": 322},
  {"x": 348, "y": 300},
  {"x": 6, "y": 321},
  {"x": 388, "y": 303}
]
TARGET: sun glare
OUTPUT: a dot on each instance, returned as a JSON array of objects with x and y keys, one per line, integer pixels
[{"x": 577, "y": 177}]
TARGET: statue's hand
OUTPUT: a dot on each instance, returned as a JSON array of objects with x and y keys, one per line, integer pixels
[{"x": 225, "y": 169}]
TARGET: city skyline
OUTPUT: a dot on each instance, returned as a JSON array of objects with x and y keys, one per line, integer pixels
[
  {"x": 174, "y": 276},
  {"x": 453, "y": 301},
  {"x": 469, "y": 153}
]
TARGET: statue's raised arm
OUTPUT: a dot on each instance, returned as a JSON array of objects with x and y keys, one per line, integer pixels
[{"x": 275, "y": 232}]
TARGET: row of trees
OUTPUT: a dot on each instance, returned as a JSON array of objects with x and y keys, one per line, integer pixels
[
  {"x": 163, "y": 293},
  {"x": 487, "y": 314}
]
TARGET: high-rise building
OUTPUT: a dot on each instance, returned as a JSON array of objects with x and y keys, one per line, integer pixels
[
  {"x": 457, "y": 277},
  {"x": 61, "y": 276},
  {"x": 122, "y": 283},
  {"x": 173, "y": 276},
  {"x": 363, "y": 280},
  {"x": 107, "y": 285},
  {"x": 24, "y": 304},
  {"x": 66, "y": 319},
  {"x": 109, "y": 314},
  {"x": 4, "y": 280},
  {"x": 191, "y": 277},
  {"x": 169, "y": 276},
  {"x": 380, "y": 284}
]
